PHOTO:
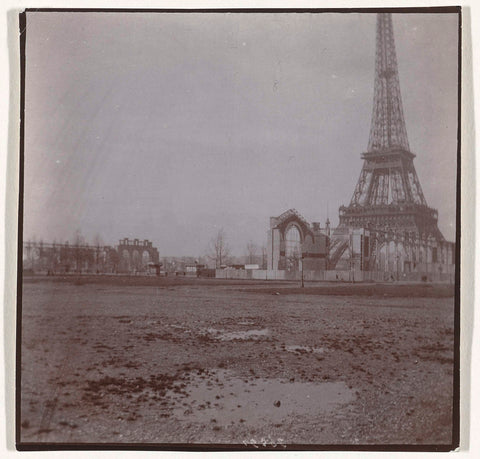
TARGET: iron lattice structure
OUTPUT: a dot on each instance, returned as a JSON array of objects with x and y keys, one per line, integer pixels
[{"x": 388, "y": 193}]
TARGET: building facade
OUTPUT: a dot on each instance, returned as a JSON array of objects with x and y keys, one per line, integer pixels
[{"x": 294, "y": 244}]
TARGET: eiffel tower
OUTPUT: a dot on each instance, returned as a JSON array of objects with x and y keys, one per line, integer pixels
[{"x": 388, "y": 194}]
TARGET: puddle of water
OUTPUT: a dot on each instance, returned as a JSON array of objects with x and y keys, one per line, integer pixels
[
  {"x": 244, "y": 334},
  {"x": 228, "y": 399},
  {"x": 305, "y": 349},
  {"x": 247, "y": 322},
  {"x": 240, "y": 334}
]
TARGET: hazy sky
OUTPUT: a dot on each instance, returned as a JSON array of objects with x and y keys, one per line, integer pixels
[{"x": 170, "y": 126}]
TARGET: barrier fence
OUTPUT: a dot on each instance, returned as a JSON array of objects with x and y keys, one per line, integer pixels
[{"x": 335, "y": 275}]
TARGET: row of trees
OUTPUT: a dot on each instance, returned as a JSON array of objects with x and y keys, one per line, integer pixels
[
  {"x": 77, "y": 240},
  {"x": 74, "y": 258},
  {"x": 219, "y": 252},
  {"x": 75, "y": 255},
  {"x": 81, "y": 256}
]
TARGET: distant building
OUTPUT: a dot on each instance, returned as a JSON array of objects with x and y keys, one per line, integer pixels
[
  {"x": 251, "y": 266},
  {"x": 154, "y": 268},
  {"x": 193, "y": 269},
  {"x": 135, "y": 255}
]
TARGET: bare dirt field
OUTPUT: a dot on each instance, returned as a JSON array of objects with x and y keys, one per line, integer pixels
[{"x": 205, "y": 361}]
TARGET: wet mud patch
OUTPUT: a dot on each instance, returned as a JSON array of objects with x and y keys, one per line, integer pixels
[
  {"x": 237, "y": 335},
  {"x": 165, "y": 336},
  {"x": 222, "y": 398},
  {"x": 437, "y": 352},
  {"x": 299, "y": 350},
  {"x": 155, "y": 387}
]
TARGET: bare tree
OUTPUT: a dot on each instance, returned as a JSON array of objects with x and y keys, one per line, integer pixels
[
  {"x": 219, "y": 250},
  {"x": 66, "y": 257},
  {"x": 98, "y": 240},
  {"x": 31, "y": 254},
  {"x": 252, "y": 250},
  {"x": 78, "y": 242},
  {"x": 98, "y": 244},
  {"x": 113, "y": 260}
]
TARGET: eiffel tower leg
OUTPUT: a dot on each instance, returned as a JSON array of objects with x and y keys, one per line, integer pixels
[
  {"x": 411, "y": 254},
  {"x": 426, "y": 258},
  {"x": 386, "y": 256},
  {"x": 430, "y": 257},
  {"x": 401, "y": 259},
  {"x": 397, "y": 259},
  {"x": 417, "y": 251}
]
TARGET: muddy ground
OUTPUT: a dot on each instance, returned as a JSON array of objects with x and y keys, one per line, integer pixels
[{"x": 206, "y": 361}]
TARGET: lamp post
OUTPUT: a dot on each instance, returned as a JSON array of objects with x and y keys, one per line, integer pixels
[
  {"x": 352, "y": 260},
  {"x": 303, "y": 285}
]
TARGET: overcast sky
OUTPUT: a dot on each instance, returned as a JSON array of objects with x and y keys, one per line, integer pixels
[{"x": 170, "y": 126}]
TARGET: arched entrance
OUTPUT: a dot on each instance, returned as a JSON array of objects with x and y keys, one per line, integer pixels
[
  {"x": 125, "y": 261},
  {"x": 145, "y": 259},
  {"x": 293, "y": 248}
]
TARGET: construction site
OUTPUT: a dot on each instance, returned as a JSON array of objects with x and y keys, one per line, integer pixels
[{"x": 387, "y": 232}]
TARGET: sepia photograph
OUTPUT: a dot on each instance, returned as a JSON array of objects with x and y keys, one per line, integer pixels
[{"x": 239, "y": 229}]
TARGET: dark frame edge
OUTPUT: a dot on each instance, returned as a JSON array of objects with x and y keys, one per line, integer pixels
[
  {"x": 204, "y": 447},
  {"x": 18, "y": 375},
  {"x": 424, "y": 9},
  {"x": 457, "y": 331}
]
